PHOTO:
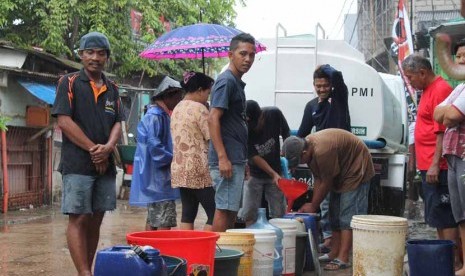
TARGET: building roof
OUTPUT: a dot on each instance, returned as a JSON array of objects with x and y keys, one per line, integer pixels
[
  {"x": 66, "y": 64},
  {"x": 43, "y": 91},
  {"x": 26, "y": 73},
  {"x": 437, "y": 15}
]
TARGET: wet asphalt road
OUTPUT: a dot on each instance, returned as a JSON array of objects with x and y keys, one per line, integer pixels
[{"x": 32, "y": 242}]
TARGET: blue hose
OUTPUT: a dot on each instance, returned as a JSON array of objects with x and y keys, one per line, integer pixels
[{"x": 374, "y": 144}]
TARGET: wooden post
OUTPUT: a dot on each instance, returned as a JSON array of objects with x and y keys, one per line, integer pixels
[
  {"x": 123, "y": 130},
  {"x": 6, "y": 185}
]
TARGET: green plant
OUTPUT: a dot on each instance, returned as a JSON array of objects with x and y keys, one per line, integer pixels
[{"x": 3, "y": 121}]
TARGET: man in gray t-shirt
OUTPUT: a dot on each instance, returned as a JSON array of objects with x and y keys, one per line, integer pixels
[
  {"x": 228, "y": 94},
  {"x": 228, "y": 130}
]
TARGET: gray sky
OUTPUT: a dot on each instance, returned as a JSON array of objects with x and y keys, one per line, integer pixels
[{"x": 260, "y": 17}]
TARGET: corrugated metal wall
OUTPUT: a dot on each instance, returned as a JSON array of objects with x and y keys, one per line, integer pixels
[{"x": 27, "y": 168}]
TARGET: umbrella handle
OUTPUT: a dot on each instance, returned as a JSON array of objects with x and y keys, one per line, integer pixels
[{"x": 203, "y": 61}]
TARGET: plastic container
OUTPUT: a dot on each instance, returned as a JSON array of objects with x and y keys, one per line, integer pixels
[
  {"x": 310, "y": 222},
  {"x": 243, "y": 242},
  {"x": 298, "y": 223},
  {"x": 289, "y": 228},
  {"x": 285, "y": 168},
  {"x": 175, "y": 266},
  {"x": 262, "y": 223},
  {"x": 127, "y": 153},
  {"x": 127, "y": 260},
  {"x": 129, "y": 168},
  {"x": 430, "y": 257},
  {"x": 301, "y": 242},
  {"x": 197, "y": 247},
  {"x": 264, "y": 254},
  {"x": 227, "y": 262},
  {"x": 378, "y": 245}
]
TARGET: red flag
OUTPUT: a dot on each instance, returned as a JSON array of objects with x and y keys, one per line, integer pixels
[
  {"x": 402, "y": 36},
  {"x": 401, "y": 33},
  {"x": 136, "y": 19}
]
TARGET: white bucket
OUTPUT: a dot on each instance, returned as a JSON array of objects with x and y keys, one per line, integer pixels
[
  {"x": 378, "y": 245},
  {"x": 264, "y": 251},
  {"x": 289, "y": 227},
  {"x": 299, "y": 224}
]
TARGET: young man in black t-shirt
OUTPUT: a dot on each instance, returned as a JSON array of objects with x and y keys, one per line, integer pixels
[
  {"x": 265, "y": 164},
  {"x": 89, "y": 114}
]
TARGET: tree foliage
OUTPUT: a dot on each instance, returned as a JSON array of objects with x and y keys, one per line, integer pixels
[{"x": 57, "y": 25}]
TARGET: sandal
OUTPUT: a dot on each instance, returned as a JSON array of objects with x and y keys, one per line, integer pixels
[
  {"x": 323, "y": 248},
  {"x": 325, "y": 258},
  {"x": 336, "y": 264}
]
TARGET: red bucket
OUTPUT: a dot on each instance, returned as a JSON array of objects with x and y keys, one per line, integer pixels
[
  {"x": 197, "y": 247},
  {"x": 292, "y": 189},
  {"x": 129, "y": 168}
]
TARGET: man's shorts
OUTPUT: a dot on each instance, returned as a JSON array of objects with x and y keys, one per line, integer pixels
[
  {"x": 456, "y": 183},
  {"x": 438, "y": 209},
  {"x": 343, "y": 206},
  {"x": 161, "y": 214},
  {"x": 228, "y": 191},
  {"x": 85, "y": 194},
  {"x": 252, "y": 198}
]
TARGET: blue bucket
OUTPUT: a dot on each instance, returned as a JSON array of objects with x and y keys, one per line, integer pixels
[
  {"x": 431, "y": 257},
  {"x": 175, "y": 266}
]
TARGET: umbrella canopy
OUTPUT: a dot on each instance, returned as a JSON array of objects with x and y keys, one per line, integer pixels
[{"x": 196, "y": 41}]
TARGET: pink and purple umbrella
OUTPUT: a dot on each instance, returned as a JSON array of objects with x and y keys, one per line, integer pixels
[{"x": 196, "y": 41}]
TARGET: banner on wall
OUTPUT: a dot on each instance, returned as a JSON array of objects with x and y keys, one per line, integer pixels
[{"x": 136, "y": 21}]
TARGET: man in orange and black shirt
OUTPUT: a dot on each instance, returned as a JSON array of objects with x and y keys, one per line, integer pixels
[{"x": 88, "y": 111}]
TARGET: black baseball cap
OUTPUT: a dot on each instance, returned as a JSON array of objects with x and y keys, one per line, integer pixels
[{"x": 95, "y": 40}]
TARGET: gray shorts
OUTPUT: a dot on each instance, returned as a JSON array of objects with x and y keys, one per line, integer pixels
[
  {"x": 228, "y": 191},
  {"x": 456, "y": 183},
  {"x": 162, "y": 214},
  {"x": 252, "y": 199},
  {"x": 343, "y": 206},
  {"x": 85, "y": 194}
]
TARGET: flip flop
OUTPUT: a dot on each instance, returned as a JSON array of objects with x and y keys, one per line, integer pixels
[
  {"x": 323, "y": 248},
  {"x": 336, "y": 264},
  {"x": 325, "y": 258}
]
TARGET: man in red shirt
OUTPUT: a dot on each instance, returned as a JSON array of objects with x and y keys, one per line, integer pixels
[{"x": 428, "y": 146}]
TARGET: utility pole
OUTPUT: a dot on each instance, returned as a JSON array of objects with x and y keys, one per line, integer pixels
[
  {"x": 411, "y": 16},
  {"x": 373, "y": 33}
]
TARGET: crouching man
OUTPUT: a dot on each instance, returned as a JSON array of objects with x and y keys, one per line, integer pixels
[{"x": 341, "y": 165}]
